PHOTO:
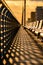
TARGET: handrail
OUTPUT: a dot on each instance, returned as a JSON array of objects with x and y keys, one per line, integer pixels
[{"x": 3, "y": 1}]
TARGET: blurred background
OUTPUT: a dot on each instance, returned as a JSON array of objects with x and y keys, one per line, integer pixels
[{"x": 16, "y": 7}]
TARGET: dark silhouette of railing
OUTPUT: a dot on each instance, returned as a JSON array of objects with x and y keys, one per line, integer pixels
[{"x": 8, "y": 28}]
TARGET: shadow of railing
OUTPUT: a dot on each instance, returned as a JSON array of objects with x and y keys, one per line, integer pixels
[{"x": 23, "y": 53}]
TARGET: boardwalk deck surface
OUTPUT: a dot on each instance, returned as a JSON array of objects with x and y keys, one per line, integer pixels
[{"x": 23, "y": 51}]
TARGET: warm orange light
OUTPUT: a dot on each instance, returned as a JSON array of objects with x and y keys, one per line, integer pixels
[{"x": 16, "y": 7}]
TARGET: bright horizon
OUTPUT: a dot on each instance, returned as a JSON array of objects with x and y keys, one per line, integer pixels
[{"x": 16, "y": 7}]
